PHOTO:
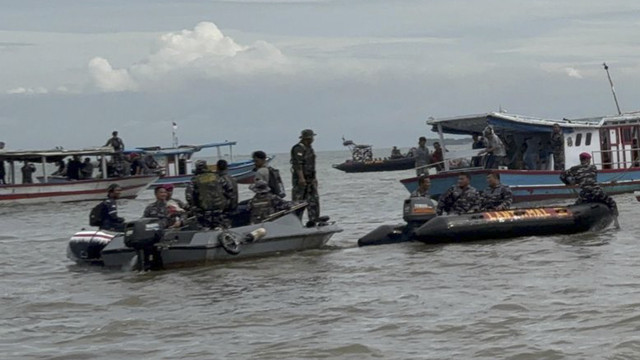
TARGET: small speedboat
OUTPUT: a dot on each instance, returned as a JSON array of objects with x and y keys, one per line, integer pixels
[
  {"x": 429, "y": 228},
  {"x": 144, "y": 246}
]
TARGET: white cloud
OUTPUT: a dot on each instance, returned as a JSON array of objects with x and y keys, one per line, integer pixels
[
  {"x": 28, "y": 91},
  {"x": 572, "y": 72},
  {"x": 202, "y": 52}
]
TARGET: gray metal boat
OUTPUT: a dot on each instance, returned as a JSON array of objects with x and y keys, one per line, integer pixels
[{"x": 144, "y": 246}]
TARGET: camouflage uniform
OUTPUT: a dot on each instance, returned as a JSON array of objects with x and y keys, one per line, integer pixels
[
  {"x": 557, "y": 146},
  {"x": 230, "y": 187},
  {"x": 264, "y": 204},
  {"x": 418, "y": 193},
  {"x": 421, "y": 155},
  {"x": 459, "y": 201},
  {"x": 304, "y": 158},
  {"x": 110, "y": 219},
  {"x": 497, "y": 198},
  {"x": 211, "y": 218},
  {"x": 585, "y": 176},
  {"x": 159, "y": 210}
]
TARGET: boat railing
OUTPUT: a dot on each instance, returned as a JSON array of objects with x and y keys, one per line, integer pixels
[{"x": 616, "y": 158}]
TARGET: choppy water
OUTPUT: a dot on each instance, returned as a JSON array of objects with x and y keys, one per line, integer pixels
[{"x": 559, "y": 297}]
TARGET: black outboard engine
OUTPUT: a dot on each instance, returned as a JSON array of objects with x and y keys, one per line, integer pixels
[
  {"x": 416, "y": 211},
  {"x": 142, "y": 235}
]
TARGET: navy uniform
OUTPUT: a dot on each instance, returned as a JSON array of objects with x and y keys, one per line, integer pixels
[
  {"x": 160, "y": 211},
  {"x": 557, "y": 146},
  {"x": 459, "y": 201},
  {"x": 421, "y": 193},
  {"x": 585, "y": 176},
  {"x": 264, "y": 203},
  {"x": 110, "y": 219},
  {"x": 303, "y": 159},
  {"x": 499, "y": 197}
]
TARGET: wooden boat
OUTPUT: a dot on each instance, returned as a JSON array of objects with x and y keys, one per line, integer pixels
[
  {"x": 60, "y": 189},
  {"x": 609, "y": 139},
  {"x": 362, "y": 160}
]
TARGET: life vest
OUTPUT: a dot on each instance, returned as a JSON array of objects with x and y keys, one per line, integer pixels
[{"x": 210, "y": 194}]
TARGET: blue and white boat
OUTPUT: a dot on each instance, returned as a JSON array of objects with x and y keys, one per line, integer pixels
[
  {"x": 611, "y": 141},
  {"x": 176, "y": 163}
]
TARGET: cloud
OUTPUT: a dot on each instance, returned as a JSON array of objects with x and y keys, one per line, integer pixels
[
  {"x": 574, "y": 73},
  {"x": 202, "y": 52},
  {"x": 28, "y": 91}
]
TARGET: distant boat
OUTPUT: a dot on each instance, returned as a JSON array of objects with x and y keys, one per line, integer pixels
[
  {"x": 362, "y": 160},
  {"x": 175, "y": 164},
  {"x": 56, "y": 189},
  {"x": 611, "y": 140}
]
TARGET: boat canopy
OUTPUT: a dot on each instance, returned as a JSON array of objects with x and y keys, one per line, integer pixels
[
  {"x": 475, "y": 124},
  {"x": 182, "y": 149},
  {"x": 51, "y": 156}
]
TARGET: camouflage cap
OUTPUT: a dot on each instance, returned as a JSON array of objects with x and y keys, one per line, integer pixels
[
  {"x": 201, "y": 164},
  {"x": 307, "y": 134},
  {"x": 260, "y": 187}
]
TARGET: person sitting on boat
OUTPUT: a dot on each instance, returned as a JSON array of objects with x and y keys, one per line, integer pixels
[
  {"x": 175, "y": 206},
  {"x": 437, "y": 157},
  {"x": 206, "y": 197},
  {"x": 137, "y": 165},
  {"x": 421, "y": 155},
  {"x": 264, "y": 203},
  {"x": 496, "y": 196},
  {"x": 424, "y": 184},
  {"x": 109, "y": 214},
  {"x": 585, "y": 175},
  {"x": 27, "y": 172},
  {"x": 159, "y": 210},
  {"x": 62, "y": 169},
  {"x": 395, "y": 153},
  {"x": 557, "y": 147},
  {"x": 495, "y": 149},
  {"x": 86, "y": 170},
  {"x": 461, "y": 198},
  {"x": 229, "y": 185}
]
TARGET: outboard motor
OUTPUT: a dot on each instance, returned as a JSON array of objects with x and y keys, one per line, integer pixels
[
  {"x": 418, "y": 210},
  {"x": 142, "y": 235}
]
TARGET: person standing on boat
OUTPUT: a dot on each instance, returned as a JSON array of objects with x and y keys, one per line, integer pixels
[
  {"x": 395, "y": 153},
  {"x": 461, "y": 198},
  {"x": 585, "y": 175},
  {"x": 424, "y": 184},
  {"x": 115, "y": 142},
  {"x": 206, "y": 197},
  {"x": 109, "y": 214},
  {"x": 160, "y": 210},
  {"x": 421, "y": 155},
  {"x": 27, "y": 172},
  {"x": 557, "y": 147},
  {"x": 303, "y": 175},
  {"x": 495, "y": 149},
  {"x": 437, "y": 157},
  {"x": 496, "y": 196},
  {"x": 86, "y": 170},
  {"x": 478, "y": 143},
  {"x": 267, "y": 173},
  {"x": 229, "y": 185}
]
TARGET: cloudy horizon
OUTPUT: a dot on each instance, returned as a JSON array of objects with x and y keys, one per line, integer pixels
[{"x": 257, "y": 72}]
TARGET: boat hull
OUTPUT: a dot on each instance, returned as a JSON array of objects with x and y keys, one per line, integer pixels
[
  {"x": 495, "y": 225},
  {"x": 70, "y": 191},
  {"x": 532, "y": 185},
  {"x": 190, "y": 248},
  {"x": 350, "y": 166}
]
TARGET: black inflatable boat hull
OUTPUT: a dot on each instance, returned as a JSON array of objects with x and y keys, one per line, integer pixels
[
  {"x": 497, "y": 225},
  {"x": 376, "y": 165}
]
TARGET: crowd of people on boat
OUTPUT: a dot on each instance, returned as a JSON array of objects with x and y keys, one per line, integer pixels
[
  {"x": 462, "y": 198},
  {"x": 212, "y": 196}
]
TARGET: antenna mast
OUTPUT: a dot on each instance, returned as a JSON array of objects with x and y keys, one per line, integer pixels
[{"x": 615, "y": 98}]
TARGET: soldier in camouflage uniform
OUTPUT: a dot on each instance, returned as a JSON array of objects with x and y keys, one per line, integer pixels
[
  {"x": 213, "y": 217},
  {"x": 459, "y": 199},
  {"x": 496, "y": 196},
  {"x": 264, "y": 203},
  {"x": 303, "y": 169},
  {"x": 557, "y": 145},
  {"x": 160, "y": 211},
  {"x": 424, "y": 184},
  {"x": 585, "y": 176},
  {"x": 229, "y": 184}
]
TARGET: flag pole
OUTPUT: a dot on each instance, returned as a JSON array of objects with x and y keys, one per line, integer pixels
[
  {"x": 615, "y": 98},
  {"x": 174, "y": 137}
]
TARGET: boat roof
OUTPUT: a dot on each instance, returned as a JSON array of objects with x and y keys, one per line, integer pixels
[
  {"x": 182, "y": 149},
  {"x": 52, "y": 155},
  {"x": 500, "y": 121}
]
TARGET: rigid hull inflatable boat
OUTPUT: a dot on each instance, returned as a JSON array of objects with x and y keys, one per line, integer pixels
[
  {"x": 422, "y": 224},
  {"x": 144, "y": 246}
]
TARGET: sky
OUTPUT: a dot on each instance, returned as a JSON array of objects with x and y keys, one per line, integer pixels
[{"x": 259, "y": 71}]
